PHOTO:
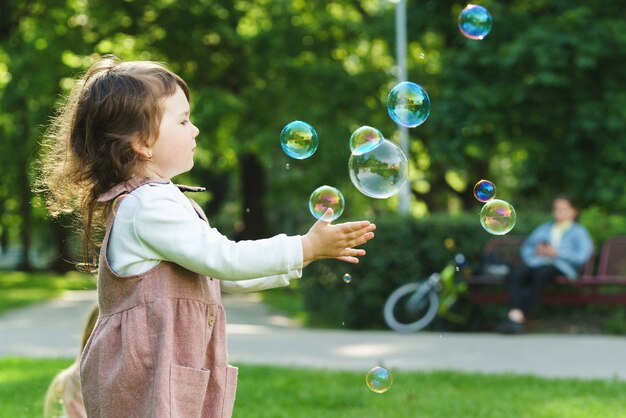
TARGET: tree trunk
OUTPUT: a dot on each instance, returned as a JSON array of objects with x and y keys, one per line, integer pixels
[
  {"x": 63, "y": 262},
  {"x": 26, "y": 217},
  {"x": 253, "y": 194},
  {"x": 4, "y": 238}
]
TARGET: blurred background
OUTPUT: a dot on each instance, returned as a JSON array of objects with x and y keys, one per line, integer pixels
[{"x": 538, "y": 107}]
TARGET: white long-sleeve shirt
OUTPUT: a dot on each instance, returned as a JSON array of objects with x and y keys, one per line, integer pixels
[{"x": 156, "y": 222}]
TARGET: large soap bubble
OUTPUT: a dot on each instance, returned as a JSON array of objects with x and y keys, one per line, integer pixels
[
  {"x": 498, "y": 217},
  {"x": 325, "y": 197},
  {"x": 299, "y": 140},
  {"x": 408, "y": 104},
  {"x": 380, "y": 173}
]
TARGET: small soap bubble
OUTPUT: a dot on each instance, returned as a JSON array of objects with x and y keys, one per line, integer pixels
[
  {"x": 422, "y": 56},
  {"x": 380, "y": 173},
  {"x": 475, "y": 22},
  {"x": 484, "y": 190},
  {"x": 460, "y": 260},
  {"x": 247, "y": 210},
  {"x": 325, "y": 197},
  {"x": 287, "y": 166},
  {"x": 347, "y": 278},
  {"x": 126, "y": 207},
  {"x": 497, "y": 217},
  {"x": 299, "y": 140},
  {"x": 408, "y": 104},
  {"x": 365, "y": 139},
  {"x": 379, "y": 379}
]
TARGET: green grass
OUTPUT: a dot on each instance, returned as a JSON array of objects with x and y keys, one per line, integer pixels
[
  {"x": 271, "y": 392},
  {"x": 20, "y": 289},
  {"x": 23, "y": 385},
  {"x": 286, "y": 300}
]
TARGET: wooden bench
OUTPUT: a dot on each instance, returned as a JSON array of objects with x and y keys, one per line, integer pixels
[{"x": 607, "y": 286}]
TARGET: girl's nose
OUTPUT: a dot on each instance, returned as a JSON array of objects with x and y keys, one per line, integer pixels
[{"x": 196, "y": 131}]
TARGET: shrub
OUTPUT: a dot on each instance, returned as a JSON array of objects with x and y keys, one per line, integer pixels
[{"x": 405, "y": 249}]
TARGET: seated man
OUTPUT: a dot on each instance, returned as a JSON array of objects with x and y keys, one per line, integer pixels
[{"x": 559, "y": 247}]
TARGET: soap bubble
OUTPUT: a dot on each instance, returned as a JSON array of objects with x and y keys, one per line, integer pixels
[
  {"x": 126, "y": 207},
  {"x": 325, "y": 197},
  {"x": 347, "y": 278},
  {"x": 379, "y": 379},
  {"x": 484, "y": 190},
  {"x": 475, "y": 22},
  {"x": 299, "y": 140},
  {"x": 497, "y": 217},
  {"x": 365, "y": 139},
  {"x": 380, "y": 173},
  {"x": 408, "y": 104}
]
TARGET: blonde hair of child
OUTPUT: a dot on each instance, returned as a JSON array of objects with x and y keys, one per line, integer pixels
[{"x": 87, "y": 149}]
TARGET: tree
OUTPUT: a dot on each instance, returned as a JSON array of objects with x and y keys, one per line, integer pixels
[{"x": 538, "y": 106}]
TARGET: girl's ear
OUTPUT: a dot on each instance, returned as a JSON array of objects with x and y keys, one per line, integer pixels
[{"x": 141, "y": 148}]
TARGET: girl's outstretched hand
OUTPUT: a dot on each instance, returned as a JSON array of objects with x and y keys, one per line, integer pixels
[{"x": 336, "y": 241}]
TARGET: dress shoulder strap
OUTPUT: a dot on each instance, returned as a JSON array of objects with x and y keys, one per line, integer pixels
[{"x": 136, "y": 182}]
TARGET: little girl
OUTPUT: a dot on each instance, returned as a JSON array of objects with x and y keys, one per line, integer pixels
[{"x": 159, "y": 346}]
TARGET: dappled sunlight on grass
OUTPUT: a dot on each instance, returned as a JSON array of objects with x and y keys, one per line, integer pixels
[{"x": 21, "y": 289}]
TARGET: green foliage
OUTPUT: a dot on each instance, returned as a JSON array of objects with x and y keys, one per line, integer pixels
[
  {"x": 404, "y": 250},
  {"x": 538, "y": 106},
  {"x": 21, "y": 289},
  {"x": 534, "y": 106},
  {"x": 296, "y": 393},
  {"x": 602, "y": 224},
  {"x": 615, "y": 324}
]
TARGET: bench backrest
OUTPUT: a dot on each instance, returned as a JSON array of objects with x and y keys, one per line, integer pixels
[
  {"x": 507, "y": 249},
  {"x": 613, "y": 258},
  {"x": 504, "y": 250}
]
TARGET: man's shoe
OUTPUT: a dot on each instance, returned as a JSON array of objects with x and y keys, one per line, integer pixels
[{"x": 509, "y": 326}]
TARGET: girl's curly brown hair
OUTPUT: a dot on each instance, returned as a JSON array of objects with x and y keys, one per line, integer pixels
[{"x": 87, "y": 148}]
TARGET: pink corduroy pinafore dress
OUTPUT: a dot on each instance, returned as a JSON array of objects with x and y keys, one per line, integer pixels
[{"x": 159, "y": 346}]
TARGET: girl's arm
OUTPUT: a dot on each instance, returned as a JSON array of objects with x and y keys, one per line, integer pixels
[
  {"x": 168, "y": 226},
  {"x": 263, "y": 283},
  {"x": 174, "y": 232}
]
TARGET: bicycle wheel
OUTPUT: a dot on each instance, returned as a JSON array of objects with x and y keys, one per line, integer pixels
[{"x": 406, "y": 310}]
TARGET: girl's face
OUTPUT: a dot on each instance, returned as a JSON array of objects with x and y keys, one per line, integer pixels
[{"x": 172, "y": 152}]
